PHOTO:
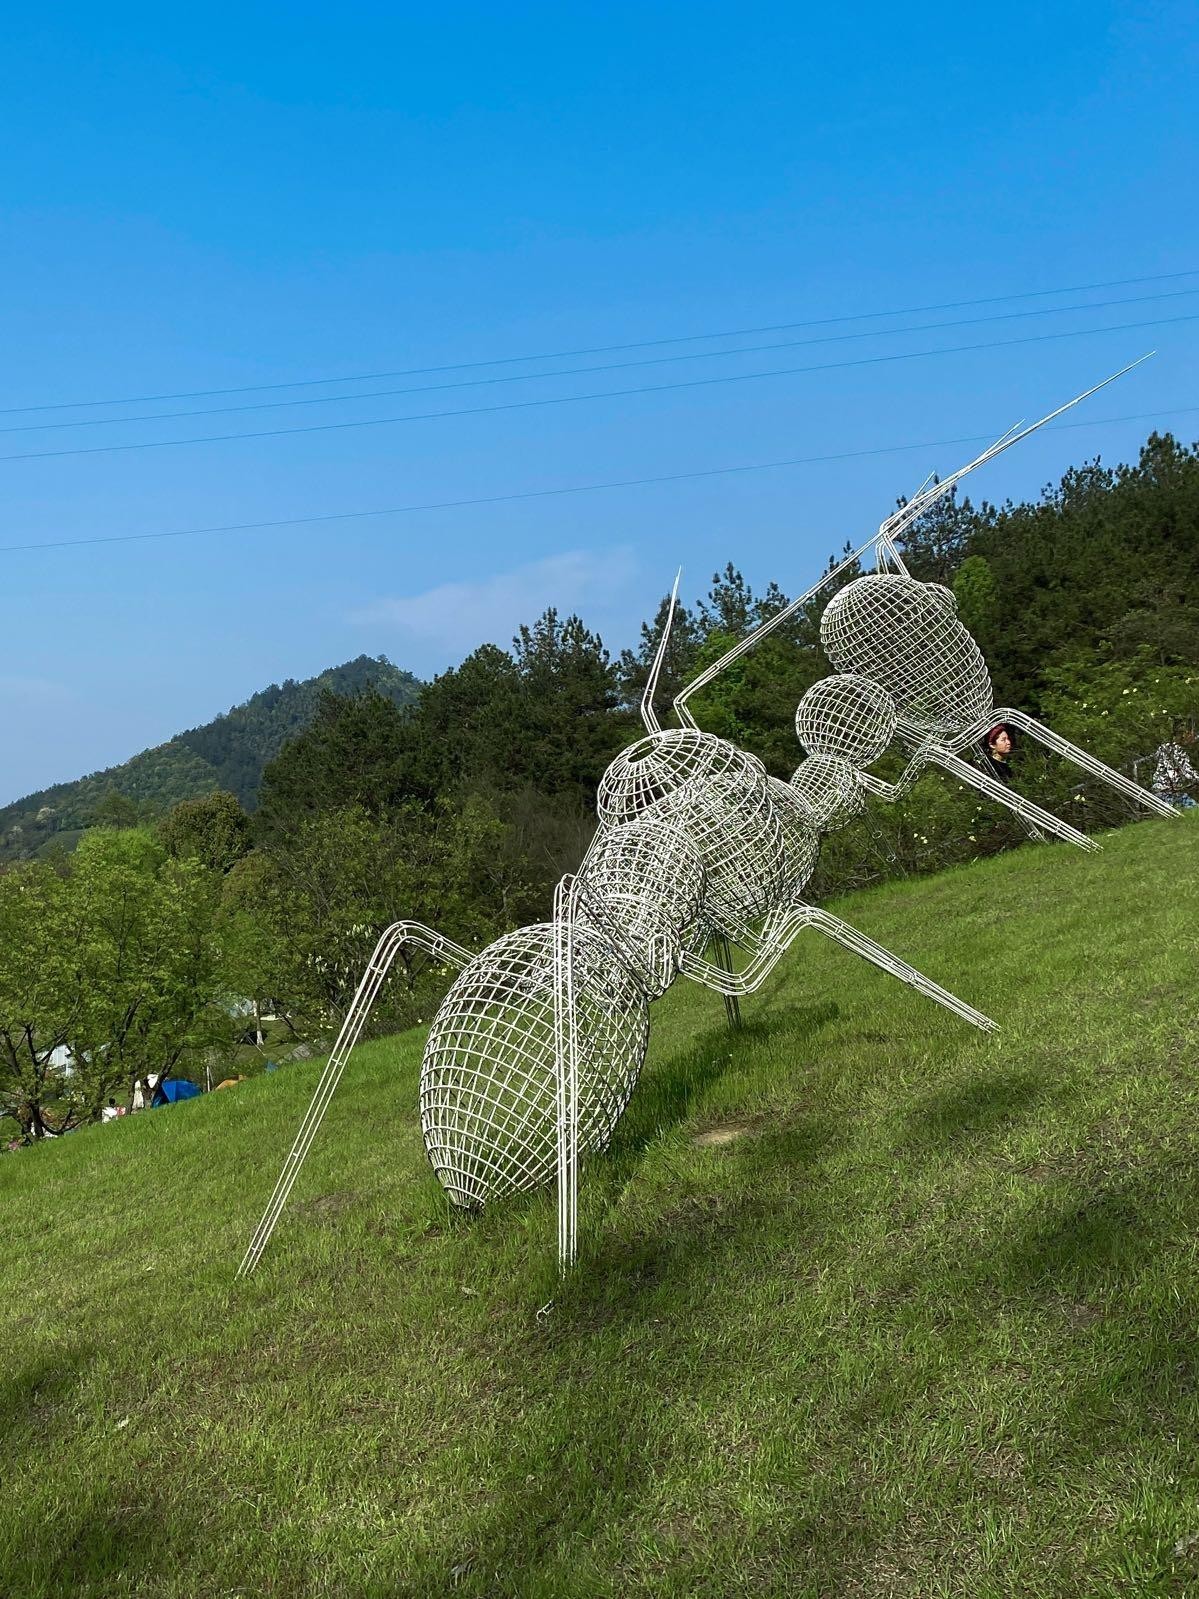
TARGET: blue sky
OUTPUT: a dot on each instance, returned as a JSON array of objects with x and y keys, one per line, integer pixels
[{"x": 222, "y": 197}]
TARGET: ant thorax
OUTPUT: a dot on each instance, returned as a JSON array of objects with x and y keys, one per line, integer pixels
[
  {"x": 905, "y": 635},
  {"x": 733, "y": 824},
  {"x": 847, "y": 716},
  {"x": 801, "y": 836},
  {"x": 643, "y": 885}
]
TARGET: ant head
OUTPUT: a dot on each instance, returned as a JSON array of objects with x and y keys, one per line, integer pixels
[
  {"x": 847, "y": 716},
  {"x": 906, "y": 636}
]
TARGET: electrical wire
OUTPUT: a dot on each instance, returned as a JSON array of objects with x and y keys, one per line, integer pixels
[
  {"x": 602, "y": 349},
  {"x": 588, "y": 371},
  {"x": 576, "y": 488},
  {"x": 606, "y": 394}
]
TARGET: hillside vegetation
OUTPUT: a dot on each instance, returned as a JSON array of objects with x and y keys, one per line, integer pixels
[
  {"x": 227, "y": 753},
  {"x": 868, "y": 1304}
]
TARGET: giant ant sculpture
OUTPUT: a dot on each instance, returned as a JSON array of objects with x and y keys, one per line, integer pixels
[{"x": 538, "y": 1044}]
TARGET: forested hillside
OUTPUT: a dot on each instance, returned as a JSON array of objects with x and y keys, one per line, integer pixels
[{"x": 227, "y": 753}]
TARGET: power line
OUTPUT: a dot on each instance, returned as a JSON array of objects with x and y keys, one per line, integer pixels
[
  {"x": 606, "y": 394},
  {"x": 603, "y": 349},
  {"x": 584, "y": 371},
  {"x": 576, "y": 488}
]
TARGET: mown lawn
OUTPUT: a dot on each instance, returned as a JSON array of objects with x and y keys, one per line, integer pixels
[{"x": 868, "y": 1304}]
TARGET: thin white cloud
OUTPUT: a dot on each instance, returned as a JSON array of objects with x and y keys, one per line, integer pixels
[
  {"x": 488, "y": 610},
  {"x": 32, "y": 690}
]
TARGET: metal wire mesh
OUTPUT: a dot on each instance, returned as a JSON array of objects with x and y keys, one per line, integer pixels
[
  {"x": 488, "y": 1095},
  {"x": 733, "y": 824},
  {"x": 847, "y": 716},
  {"x": 660, "y": 765},
  {"x": 831, "y": 790},
  {"x": 800, "y": 834},
  {"x": 905, "y": 635},
  {"x": 650, "y": 881}
]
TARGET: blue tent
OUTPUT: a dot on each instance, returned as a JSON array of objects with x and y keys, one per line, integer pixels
[{"x": 173, "y": 1090}]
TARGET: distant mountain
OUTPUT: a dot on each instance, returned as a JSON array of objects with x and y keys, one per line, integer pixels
[{"x": 227, "y": 753}]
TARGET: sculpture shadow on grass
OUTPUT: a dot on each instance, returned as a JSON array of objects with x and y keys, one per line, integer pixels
[
  {"x": 666, "y": 1096},
  {"x": 35, "y": 1400},
  {"x": 641, "y": 1282},
  {"x": 1092, "y": 1241},
  {"x": 90, "y": 1551},
  {"x": 86, "y": 1548},
  {"x": 669, "y": 1093},
  {"x": 652, "y": 1284},
  {"x": 974, "y": 1109}
]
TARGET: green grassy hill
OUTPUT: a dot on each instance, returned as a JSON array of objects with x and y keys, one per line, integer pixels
[
  {"x": 868, "y": 1304},
  {"x": 227, "y": 753}
]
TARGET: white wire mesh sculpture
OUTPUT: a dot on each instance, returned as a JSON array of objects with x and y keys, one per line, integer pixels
[
  {"x": 831, "y": 789},
  {"x": 537, "y": 1046},
  {"x": 648, "y": 876},
  {"x": 489, "y": 1079},
  {"x": 847, "y": 717},
  {"x": 824, "y": 724},
  {"x": 906, "y": 637}
]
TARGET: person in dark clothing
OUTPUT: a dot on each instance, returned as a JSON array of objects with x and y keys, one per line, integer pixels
[{"x": 996, "y": 753}]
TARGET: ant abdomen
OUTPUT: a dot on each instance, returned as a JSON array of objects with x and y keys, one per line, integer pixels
[{"x": 488, "y": 1095}]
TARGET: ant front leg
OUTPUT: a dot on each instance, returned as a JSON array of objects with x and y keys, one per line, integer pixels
[
  {"x": 1032, "y": 815},
  {"x": 850, "y": 938},
  {"x": 1079, "y": 757},
  {"x": 781, "y": 930}
]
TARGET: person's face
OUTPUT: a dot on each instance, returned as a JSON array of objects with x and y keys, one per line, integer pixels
[{"x": 1001, "y": 744}]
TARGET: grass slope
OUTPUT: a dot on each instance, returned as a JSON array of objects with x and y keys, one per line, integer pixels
[{"x": 869, "y": 1304}]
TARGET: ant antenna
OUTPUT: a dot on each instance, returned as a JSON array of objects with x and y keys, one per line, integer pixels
[
  {"x": 884, "y": 543},
  {"x": 648, "y": 715},
  {"x": 894, "y": 525}
]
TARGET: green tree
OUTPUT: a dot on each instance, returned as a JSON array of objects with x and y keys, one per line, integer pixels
[
  {"x": 977, "y": 594},
  {"x": 1120, "y": 710},
  {"x": 115, "y": 810},
  {"x": 40, "y": 994},
  {"x": 302, "y": 914},
  {"x": 353, "y": 753},
  {"x": 150, "y": 968},
  {"x": 569, "y": 697},
  {"x": 213, "y": 830},
  {"x": 936, "y": 543}
]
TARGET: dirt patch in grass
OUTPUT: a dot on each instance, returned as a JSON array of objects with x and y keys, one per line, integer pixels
[
  {"x": 727, "y": 1133},
  {"x": 327, "y": 1207}
]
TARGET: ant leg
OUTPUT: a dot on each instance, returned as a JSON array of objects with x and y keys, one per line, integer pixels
[
  {"x": 566, "y": 1055},
  {"x": 772, "y": 945},
  {"x": 1032, "y": 815},
  {"x": 849, "y": 938},
  {"x": 765, "y": 949},
  {"x": 724, "y": 959},
  {"x": 386, "y": 950},
  {"x": 1071, "y": 752}
]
